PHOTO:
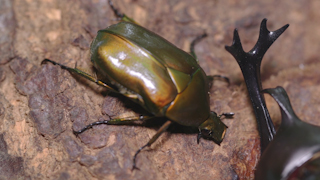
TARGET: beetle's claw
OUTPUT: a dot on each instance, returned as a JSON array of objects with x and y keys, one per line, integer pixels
[
  {"x": 44, "y": 61},
  {"x": 115, "y": 10},
  {"x": 225, "y": 78},
  {"x": 47, "y": 60},
  {"x": 228, "y": 115},
  {"x": 76, "y": 133},
  {"x": 199, "y": 137},
  {"x": 134, "y": 167}
]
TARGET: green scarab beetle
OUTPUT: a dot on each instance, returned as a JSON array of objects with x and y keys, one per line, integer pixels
[{"x": 151, "y": 71}]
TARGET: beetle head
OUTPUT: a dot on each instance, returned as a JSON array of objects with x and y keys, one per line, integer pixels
[{"x": 213, "y": 128}]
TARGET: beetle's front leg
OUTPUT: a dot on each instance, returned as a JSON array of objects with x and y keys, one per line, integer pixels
[
  {"x": 194, "y": 42},
  {"x": 163, "y": 128},
  {"x": 122, "y": 121},
  {"x": 122, "y": 16},
  {"x": 192, "y": 52}
]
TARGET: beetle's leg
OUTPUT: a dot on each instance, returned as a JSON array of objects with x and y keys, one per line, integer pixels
[
  {"x": 118, "y": 121},
  {"x": 211, "y": 78},
  {"x": 227, "y": 115},
  {"x": 192, "y": 52},
  {"x": 134, "y": 97},
  {"x": 122, "y": 16},
  {"x": 163, "y": 128},
  {"x": 83, "y": 74},
  {"x": 194, "y": 42}
]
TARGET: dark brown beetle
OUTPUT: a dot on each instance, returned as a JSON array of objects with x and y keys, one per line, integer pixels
[{"x": 294, "y": 152}]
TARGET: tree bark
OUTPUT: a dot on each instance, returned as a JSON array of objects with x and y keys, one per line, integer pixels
[{"x": 40, "y": 105}]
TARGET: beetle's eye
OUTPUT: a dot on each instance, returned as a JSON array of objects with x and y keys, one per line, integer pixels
[{"x": 206, "y": 133}]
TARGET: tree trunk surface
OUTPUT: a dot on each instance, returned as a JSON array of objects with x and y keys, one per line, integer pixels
[{"x": 40, "y": 105}]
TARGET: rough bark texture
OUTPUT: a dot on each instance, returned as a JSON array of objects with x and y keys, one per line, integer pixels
[{"x": 40, "y": 105}]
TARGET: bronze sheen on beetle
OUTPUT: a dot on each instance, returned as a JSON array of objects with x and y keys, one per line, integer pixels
[
  {"x": 154, "y": 73},
  {"x": 162, "y": 78}
]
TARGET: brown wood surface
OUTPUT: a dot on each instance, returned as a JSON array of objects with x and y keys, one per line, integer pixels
[{"x": 41, "y": 104}]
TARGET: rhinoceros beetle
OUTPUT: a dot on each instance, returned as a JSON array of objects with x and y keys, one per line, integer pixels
[
  {"x": 165, "y": 80},
  {"x": 294, "y": 152}
]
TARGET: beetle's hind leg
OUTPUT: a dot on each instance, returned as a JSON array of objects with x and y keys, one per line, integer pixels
[
  {"x": 118, "y": 121},
  {"x": 83, "y": 74},
  {"x": 122, "y": 121},
  {"x": 162, "y": 129}
]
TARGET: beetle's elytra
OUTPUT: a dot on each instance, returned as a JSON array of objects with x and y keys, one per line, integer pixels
[{"x": 163, "y": 79}]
